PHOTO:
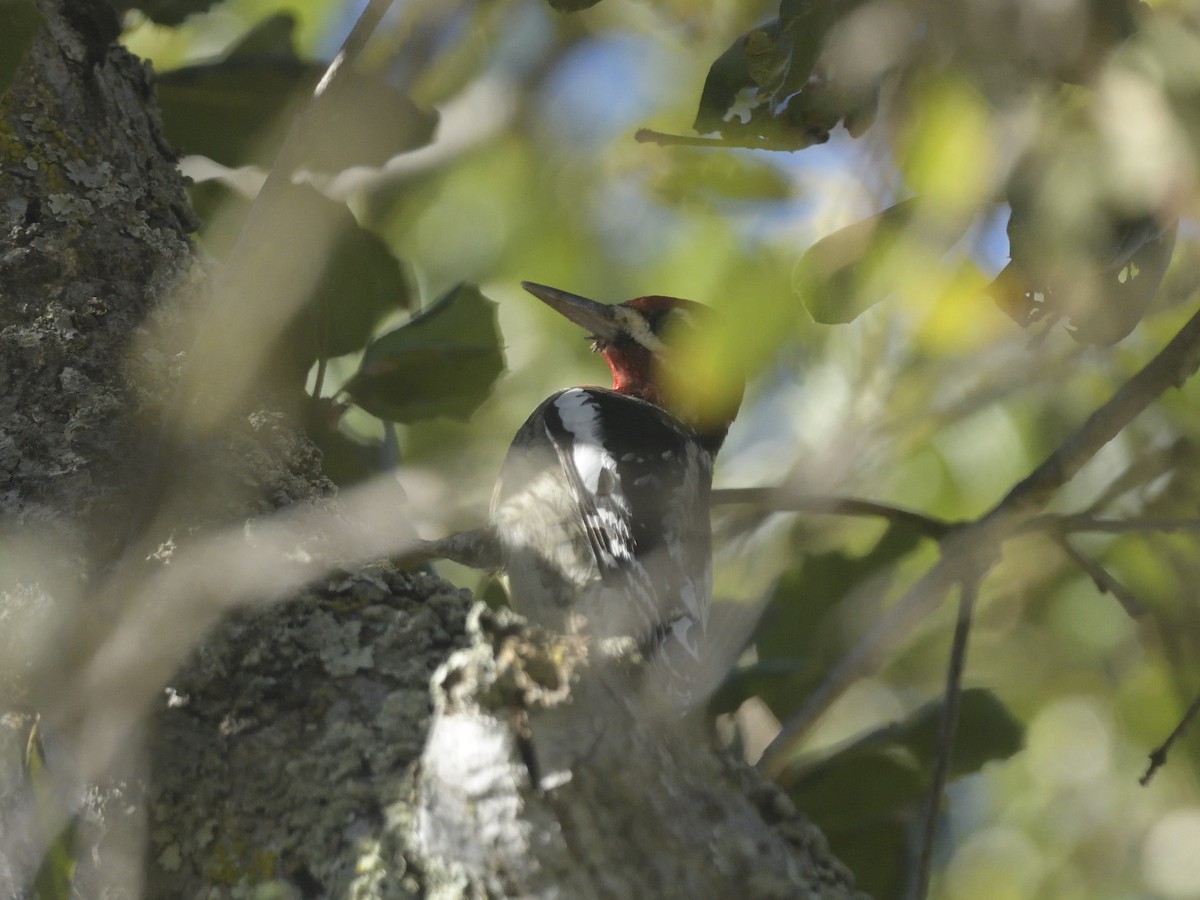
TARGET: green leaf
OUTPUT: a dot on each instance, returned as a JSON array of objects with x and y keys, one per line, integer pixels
[
  {"x": 56, "y": 874},
  {"x": 986, "y": 731},
  {"x": 707, "y": 175},
  {"x": 19, "y": 23},
  {"x": 792, "y": 639},
  {"x": 864, "y": 795},
  {"x": 346, "y": 459},
  {"x": 364, "y": 121},
  {"x": 441, "y": 363},
  {"x": 361, "y": 283},
  {"x": 840, "y": 264},
  {"x": 879, "y": 855},
  {"x": 232, "y": 111},
  {"x": 770, "y": 88},
  {"x": 846, "y": 273},
  {"x": 236, "y": 111},
  {"x": 1126, "y": 265},
  {"x": 274, "y": 36},
  {"x": 859, "y": 785}
]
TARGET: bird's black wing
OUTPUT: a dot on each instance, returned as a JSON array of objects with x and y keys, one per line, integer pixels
[{"x": 642, "y": 483}]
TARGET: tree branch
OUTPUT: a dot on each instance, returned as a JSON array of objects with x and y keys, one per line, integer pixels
[
  {"x": 1158, "y": 757},
  {"x": 1087, "y": 523},
  {"x": 946, "y": 731},
  {"x": 785, "y": 500},
  {"x": 1103, "y": 579},
  {"x": 975, "y": 545}
]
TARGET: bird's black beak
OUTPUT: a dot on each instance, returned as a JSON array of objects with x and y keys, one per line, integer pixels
[{"x": 597, "y": 319}]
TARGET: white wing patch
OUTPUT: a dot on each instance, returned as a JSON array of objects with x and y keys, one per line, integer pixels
[{"x": 581, "y": 418}]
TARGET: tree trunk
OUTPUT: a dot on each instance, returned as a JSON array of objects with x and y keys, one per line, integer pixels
[{"x": 296, "y": 743}]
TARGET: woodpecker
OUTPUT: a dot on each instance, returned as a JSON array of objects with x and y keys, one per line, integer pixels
[{"x": 601, "y": 508}]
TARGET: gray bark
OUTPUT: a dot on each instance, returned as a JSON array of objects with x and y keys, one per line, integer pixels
[{"x": 295, "y": 744}]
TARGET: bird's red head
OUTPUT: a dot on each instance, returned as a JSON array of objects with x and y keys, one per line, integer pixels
[{"x": 639, "y": 339}]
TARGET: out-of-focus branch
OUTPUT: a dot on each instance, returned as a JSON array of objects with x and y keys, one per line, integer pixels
[
  {"x": 946, "y": 730},
  {"x": 1174, "y": 364},
  {"x": 1143, "y": 469},
  {"x": 164, "y": 614},
  {"x": 782, "y": 499},
  {"x": 1158, "y": 756},
  {"x": 975, "y": 545},
  {"x": 1084, "y": 522},
  {"x": 1103, "y": 579}
]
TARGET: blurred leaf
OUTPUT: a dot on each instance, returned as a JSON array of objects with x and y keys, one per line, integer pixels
[
  {"x": 803, "y": 594},
  {"x": 879, "y": 855},
  {"x": 721, "y": 176},
  {"x": 986, "y": 731},
  {"x": 19, "y": 23},
  {"x": 837, "y": 260},
  {"x": 791, "y": 638},
  {"x": 1115, "y": 282},
  {"x": 754, "y": 680},
  {"x": 361, "y": 283},
  {"x": 858, "y": 785},
  {"x": 166, "y": 12},
  {"x": 345, "y": 460},
  {"x": 441, "y": 363},
  {"x": 846, "y": 273},
  {"x": 365, "y": 122},
  {"x": 864, "y": 795},
  {"x": 274, "y": 36},
  {"x": 234, "y": 111},
  {"x": 227, "y": 111},
  {"x": 56, "y": 874}
]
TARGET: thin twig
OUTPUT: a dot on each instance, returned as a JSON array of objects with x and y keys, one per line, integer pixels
[
  {"x": 1173, "y": 365},
  {"x": 785, "y": 500},
  {"x": 1158, "y": 757},
  {"x": 1103, "y": 579},
  {"x": 1142, "y": 469},
  {"x": 1087, "y": 523},
  {"x": 975, "y": 545},
  {"x": 946, "y": 731}
]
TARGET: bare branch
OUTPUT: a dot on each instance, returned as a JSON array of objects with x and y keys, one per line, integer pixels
[
  {"x": 1084, "y": 523},
  {"x": 1104, "y": 581},
  {"x": 946, "y": 731},
  {"x": 974, "y": 546},
  {"x": 1158, "y": 757},
  {"x": 1143, "y": 469},
  {"x": 782, "y": 499},
  {"x": 1174, "y": 364}
]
